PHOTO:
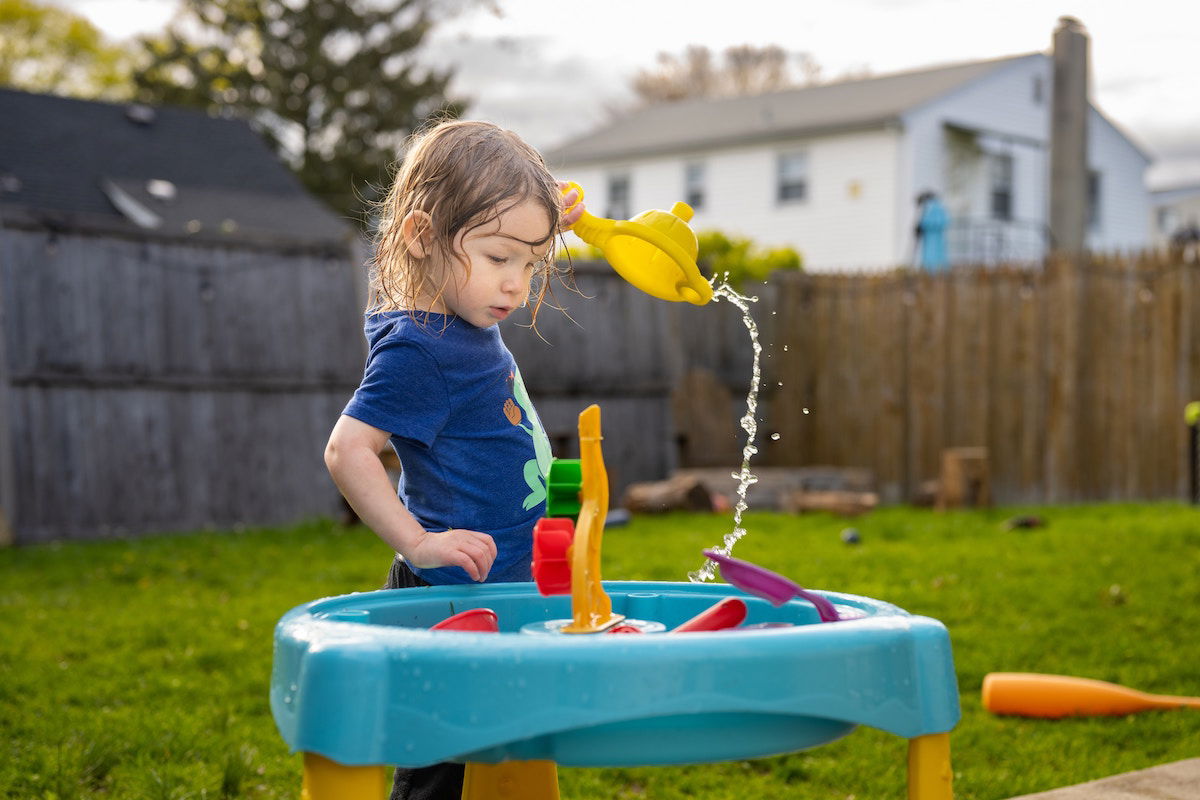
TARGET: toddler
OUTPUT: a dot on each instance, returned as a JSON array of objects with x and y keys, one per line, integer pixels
[{"x": 467, "y": 228}]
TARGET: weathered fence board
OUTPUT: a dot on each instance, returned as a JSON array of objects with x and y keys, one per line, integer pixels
[
  {"x": 164, "y": 386},
  {"x": 1073, "y": 375},
  {"x": 160, "y": 386}
]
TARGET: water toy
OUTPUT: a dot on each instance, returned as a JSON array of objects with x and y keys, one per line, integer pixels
[
  {"x": 476, "y": 620},
  {"x": 1029, "y": 694},
  {"x": 369, "y": 679},
  {"x": 769, "y": 585},
  {"x": 655, "y": 250},
  {"x": 728, "y": 613},
  {"x": 567, "y": 555}
]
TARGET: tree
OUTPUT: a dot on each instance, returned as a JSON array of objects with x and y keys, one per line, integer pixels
[
  {"x": 44, "y": 48},
  {"x": 333, "y": 85},
  {"x": 746, "y": 69}
]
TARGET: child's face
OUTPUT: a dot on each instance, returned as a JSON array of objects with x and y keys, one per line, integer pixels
[{"x": 501, "y": 265}]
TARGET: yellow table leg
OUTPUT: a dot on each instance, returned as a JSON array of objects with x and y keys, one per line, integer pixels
[
  {"x": 511, "y": 780},
  {"x": 325, "y": 779},
  {"x": 929, "y": 773}
]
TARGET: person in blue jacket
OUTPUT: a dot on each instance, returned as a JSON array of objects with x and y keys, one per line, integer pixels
[{"x": 932, "y": 221}]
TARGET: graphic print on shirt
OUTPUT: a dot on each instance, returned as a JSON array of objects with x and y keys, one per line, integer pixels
[{"x": 537, "y": 468}]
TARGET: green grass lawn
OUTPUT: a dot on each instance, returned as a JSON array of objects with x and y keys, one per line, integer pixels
[{"x": 140, "y": 669}]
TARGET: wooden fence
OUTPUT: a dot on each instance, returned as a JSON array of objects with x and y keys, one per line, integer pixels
[
  {"x": 1074, "y": 375},
  {"x": 163, "y": 385},
  {"x": 160, "y": 386}
]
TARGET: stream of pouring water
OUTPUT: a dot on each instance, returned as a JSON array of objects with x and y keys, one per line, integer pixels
[{"x": 745, "y": 478}]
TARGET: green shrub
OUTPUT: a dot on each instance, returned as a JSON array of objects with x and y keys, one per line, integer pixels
[{"x": 737, "y": 259}]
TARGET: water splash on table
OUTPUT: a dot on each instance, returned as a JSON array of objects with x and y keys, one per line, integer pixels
[{"x": 749, "y": 422}]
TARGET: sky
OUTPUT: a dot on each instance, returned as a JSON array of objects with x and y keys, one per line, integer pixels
[{"x": 554, "y": 69}]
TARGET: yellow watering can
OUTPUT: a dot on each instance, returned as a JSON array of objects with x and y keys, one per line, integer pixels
[{"x": 655, "y": 251}]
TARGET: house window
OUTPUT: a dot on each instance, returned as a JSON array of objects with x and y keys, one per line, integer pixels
[
  {"x": 1038, "y": 90},
  {"x": 693, "y": 185},
  {"x": 618, "y": 197},
  {"x": 1093, "y": 199},
  {"x": 1168, "y": 220},
  {"x": 1002, "y": 187},
  {"x": 792, "y": 178}
]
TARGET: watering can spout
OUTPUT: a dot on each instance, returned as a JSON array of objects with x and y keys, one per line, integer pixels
[{"x": 655, "y": 251}]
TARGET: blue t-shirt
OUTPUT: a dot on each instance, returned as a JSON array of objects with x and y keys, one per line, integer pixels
[{"x": 472, "y": 450}]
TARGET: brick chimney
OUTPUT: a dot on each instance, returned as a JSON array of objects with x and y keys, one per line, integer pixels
[{"x": 1068, "y": 137}]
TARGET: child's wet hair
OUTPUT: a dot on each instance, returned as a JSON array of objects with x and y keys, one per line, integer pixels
[{"x": 462, "y": 174}]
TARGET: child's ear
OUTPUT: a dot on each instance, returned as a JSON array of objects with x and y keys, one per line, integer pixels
[{"x": 416, "y": 228}]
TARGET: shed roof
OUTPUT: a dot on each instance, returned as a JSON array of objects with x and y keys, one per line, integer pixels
[
  {"x": 84, "y": 164},
  {"x": 696, "y": 124}
]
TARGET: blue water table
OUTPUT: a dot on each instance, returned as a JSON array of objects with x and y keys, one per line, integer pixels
[{"x": 512, "y": 679}]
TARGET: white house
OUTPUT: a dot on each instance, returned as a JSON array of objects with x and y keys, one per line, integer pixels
[
  {"x": 834, "y": 170},
  {"x": 1176, "y": 214}
]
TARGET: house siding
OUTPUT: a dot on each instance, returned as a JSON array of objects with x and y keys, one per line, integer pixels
[
  {"x": 851, "y": 190},
  {"x": 1123, "y": 219}
]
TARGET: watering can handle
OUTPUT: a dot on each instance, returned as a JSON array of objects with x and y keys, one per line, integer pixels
[{"x": 566, "y": 190}]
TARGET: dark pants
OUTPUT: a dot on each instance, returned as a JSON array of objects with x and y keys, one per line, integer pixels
[{"x": 439, "y": 781}]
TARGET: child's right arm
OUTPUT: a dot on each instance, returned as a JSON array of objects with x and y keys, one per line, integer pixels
[{"x": 352, "y": 456}]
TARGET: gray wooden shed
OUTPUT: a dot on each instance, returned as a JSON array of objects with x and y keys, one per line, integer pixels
[{"x": 181, "y": 324}]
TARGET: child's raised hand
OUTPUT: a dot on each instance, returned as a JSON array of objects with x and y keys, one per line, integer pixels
[
  {"x": 457, "y": 547},
  {"x": 569, "y": 199}
]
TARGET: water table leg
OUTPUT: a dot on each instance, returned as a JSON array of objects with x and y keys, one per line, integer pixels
[
  {"x": 325, "y": 779},
  {"x": 511, "y": 780},
  {"x": 929, "y": 773}
]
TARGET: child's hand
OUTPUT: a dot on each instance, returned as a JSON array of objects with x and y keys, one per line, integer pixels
[
  {"x": 471, "y": 550},
  {"x": 569, "y": 218}
]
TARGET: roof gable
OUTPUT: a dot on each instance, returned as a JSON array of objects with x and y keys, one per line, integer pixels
[
  {"x": 696, "y": 124},
  {"x": 62, "y": 156}
]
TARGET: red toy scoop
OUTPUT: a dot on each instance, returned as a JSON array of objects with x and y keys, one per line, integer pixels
[{"x": 477, "y": 620}]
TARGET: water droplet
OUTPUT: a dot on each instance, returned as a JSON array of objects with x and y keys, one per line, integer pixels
[
  {"x": 775, "y": 437},
  {"x": 806, "y": 411},
  {"x": 781, "y": 383},
  {"x": 785, "y": 348}
]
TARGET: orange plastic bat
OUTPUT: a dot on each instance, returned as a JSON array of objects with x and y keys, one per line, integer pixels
[{"x": 1029, "y": 694}]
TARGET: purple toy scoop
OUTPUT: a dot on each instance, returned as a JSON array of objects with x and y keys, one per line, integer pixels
[{"x": 768, "y": 585}]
